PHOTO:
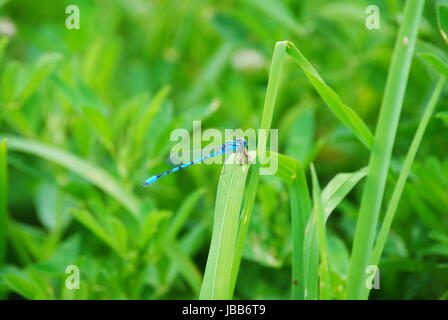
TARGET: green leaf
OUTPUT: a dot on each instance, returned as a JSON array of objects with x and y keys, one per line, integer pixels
[
  {"x": 266, "y": 122},
  {"x": 383, "y": 144},
  {"x": 150, "y": 225},
  {"x": 279, "y": 13},
  {"x": 335, "y": 191},
  {"x": 144, "y": 120},
  {"x": 3, "y": 198},
  {"x": 436, "y": 63},
  {"x": 101, "y": 124},
  {"x": 182, "y": 215},
  {"x": 300, "y": 213},
  {"x": 443, "y": 116},
  {"x": 346, "y": 115},
  {"x": 217, "y": 278},
  {"x": 442, "y": 18},
  {"x": 89, "y": 221},
  {"x": 19, "y": 282},
  {"x": 30, "y": 238},
  {"x": 404, "y": 173},
  {"x": 3, "y": 43},
  {"x": 85, "y": 169},
  {"x": 184, "y": 265},
  {"x": 49, "y": 208},
  {"x": 325, "y": 281},
  {"x": 40, "y": 71},
  {"x": 119, "y": 234}
]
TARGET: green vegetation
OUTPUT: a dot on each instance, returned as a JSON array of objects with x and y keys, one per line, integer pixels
[{"x": 86, "y": 116}]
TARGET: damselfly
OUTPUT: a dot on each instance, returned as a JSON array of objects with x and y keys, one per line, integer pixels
[{"x": 238, "y": 145}]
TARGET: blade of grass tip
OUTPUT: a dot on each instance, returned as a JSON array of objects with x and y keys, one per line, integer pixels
[
  {"x": 85, "y": 169},
  {"x": 334, "y": 192},
  {"x": 382, "y": 148},
  {"x": 345, "y": 114},
  {"x": 325, "y": 284},
  {"x": 300, "y": 213},
  {"x": 404, "y": 173},
  {"x": 266, "y": 121},
  {"x": 217, "y": 278},
  {"x": 3, "y": 199}
]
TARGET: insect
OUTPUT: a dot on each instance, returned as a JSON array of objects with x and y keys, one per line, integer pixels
[{"x": 237, "y": 145}]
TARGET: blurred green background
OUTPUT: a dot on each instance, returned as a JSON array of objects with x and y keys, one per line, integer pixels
[{"x": 110, "y": 94}]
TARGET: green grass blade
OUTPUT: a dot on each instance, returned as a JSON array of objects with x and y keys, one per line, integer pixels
[
  {"x": 442, "y": 18},
  {"x": 345, "y": 114},
  {"x": 436, "y": 63},
  {"x": 404, "y": 173},
  {"x": 85, "y": 169},
  {"x": 184, "y": 265},
  {"x": 148, "y": 116},
  {"x": 325, "y": 283},
  {"x": 300, "y": 213},
  {"x": 382, "y": 148},
  {"x": 89, "y": 221},
  {"x": 335, "y": 191},
  {"x": 266, "y": 121},
  {"x": 39, "y": 72},
  {"x": 3, "y": 198},
  {"x": 182, "y": 215},
  {"x": 244, "y": 223},
  {"x": 443, "y": 116},
  {"x": 278, "y": 12},
  {"x": 217, "y": 278}
]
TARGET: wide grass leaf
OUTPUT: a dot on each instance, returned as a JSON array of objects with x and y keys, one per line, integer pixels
[
  {"x": 218, "y": 272},
  {"x": 84, "y": 168}
]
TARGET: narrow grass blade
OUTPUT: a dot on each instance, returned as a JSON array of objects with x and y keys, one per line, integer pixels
[
  {"x": 442, "y": 18},
  {"x": 404, "y": 173},
  {"x": 184, "y": 265},
  {"x": 335, "y": 191},
  {"x": 217, "y": 278},
  {"x": 382, "y": 148},
  {"x": 251, "y": 194},
  {"x": 3, "y": 199},
  {"x": 278, "y": 12},
  {"x": 85, "y": 169},
  {"x": 266, "y": 121},
  {"x": 436, "y": 63},
  {"x": 443, "y": 116},
  {"x": 325, "y": 282},
  {"x": 345, "y": 114},
  {"x": 300, "y": 213},
  {"x": 148, "y": 115},
  {"x": 209, "y": 74},
  {"x": 182, "y": 215},
  {"x": 89, "y": 221}
]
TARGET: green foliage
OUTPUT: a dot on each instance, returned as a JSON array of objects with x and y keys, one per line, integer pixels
[{"x": 86, "y": 116}]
